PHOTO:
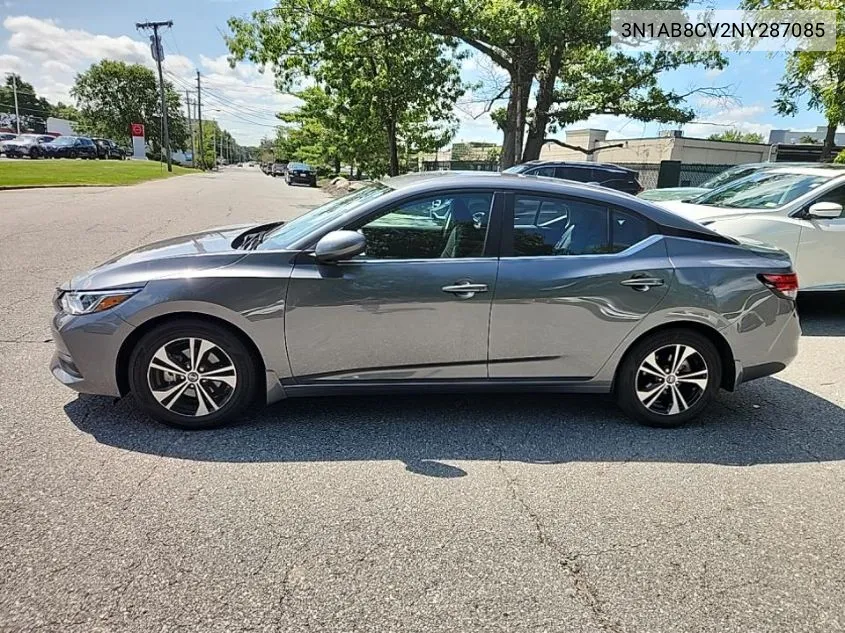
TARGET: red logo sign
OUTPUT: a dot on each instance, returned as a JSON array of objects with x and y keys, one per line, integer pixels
[{"x": 137, "y": 129}]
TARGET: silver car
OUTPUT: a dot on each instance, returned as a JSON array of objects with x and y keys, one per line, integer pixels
[{"x": 435, "y": 282}]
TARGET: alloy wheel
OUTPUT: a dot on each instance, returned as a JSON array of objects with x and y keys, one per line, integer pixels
[
  {"x": 192, "y": 377},
  {"x": 672, "y": 379}
]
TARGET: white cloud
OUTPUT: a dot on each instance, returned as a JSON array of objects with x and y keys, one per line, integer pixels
[
  {"x": 243, "y": 100},
  {"x": 712, "y": 73}
]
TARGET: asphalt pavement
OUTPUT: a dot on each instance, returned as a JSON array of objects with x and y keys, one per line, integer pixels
[{"x": 451, "y": 513}]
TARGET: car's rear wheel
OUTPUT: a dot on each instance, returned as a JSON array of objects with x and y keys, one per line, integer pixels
[
  {"x": 193, "y": 375},
  {"x": 34, "y": 153},
  {"x": 73, "y": 154},
  {"x": 668, "y": 378}
]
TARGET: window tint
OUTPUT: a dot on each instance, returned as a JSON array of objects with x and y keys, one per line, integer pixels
[
  {"x": 580, "y": 174},
  {"x": 558, "y": 226},
  {"x": 627, "y": 229},
  {"x": 446, "y": 226},
  {"x": 544, "y": 171},
  {"x": 837, "y": 196}
]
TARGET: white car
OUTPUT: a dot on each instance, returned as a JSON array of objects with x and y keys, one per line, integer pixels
[{"x": 797, "y": 209}]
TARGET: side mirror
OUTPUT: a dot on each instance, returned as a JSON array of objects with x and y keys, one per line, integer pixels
[
  {"x": 825, "y": 210},
  {"x": 339, "y": 245}
]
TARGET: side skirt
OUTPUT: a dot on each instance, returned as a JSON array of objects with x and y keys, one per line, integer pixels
[{"x": 492, "y": 385}]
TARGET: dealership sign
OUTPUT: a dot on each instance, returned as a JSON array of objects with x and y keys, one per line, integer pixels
[{"x": 139, "y": 144}]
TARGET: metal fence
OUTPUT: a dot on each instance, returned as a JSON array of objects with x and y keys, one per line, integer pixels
[
  {"x": 693, "y": 175},
  {"x": 459, "y": 165},
  {"x": 648, "y": 173}
]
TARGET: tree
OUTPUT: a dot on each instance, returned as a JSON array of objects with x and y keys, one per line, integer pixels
[
  {"x": 840, "y": 158},
  {"x": 111, "y": 95},
  {"x": 33, "y": 109},
  {"x": 737, "y": 136},
  {"x": 808, "y": 140},
  {"x": 385, "y": 80},
  {"x": 814, "y": 77},
  {"x": 557, "y": 44},
  {"x": 64, "y": 111}
]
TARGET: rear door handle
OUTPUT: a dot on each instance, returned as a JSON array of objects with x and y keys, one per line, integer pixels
[
  {"x": 465, "y": 289},
  {"x": 642, "y": 283}
]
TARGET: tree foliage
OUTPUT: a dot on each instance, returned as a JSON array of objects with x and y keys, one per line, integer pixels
[
  {"x": 737, "y": 136},
  {"x": 33, "y": 109},
  {"x": 111, "y": 95},
  {"x": 816, "y": 78},
  {"x": 389, "y": 83}
]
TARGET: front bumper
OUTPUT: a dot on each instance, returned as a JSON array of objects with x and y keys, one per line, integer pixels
[
  {"x": 306, "y": 179},
  {"x": 87, "y": 348}
]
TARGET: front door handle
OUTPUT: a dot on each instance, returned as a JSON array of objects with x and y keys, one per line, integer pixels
[
  {"x": 465, "y": 289},
  {"x": 642, "y": 284}
]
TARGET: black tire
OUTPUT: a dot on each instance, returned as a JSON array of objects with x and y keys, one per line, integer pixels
[
  {"x": 34, "y": 153},
  {"x": 73, "y": 154},
  {"x": 237, "y": 402},
  {"x": 629, "y": 378}
]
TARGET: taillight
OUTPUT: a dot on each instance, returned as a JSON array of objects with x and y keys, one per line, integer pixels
[{"x": 785, "y": 284}]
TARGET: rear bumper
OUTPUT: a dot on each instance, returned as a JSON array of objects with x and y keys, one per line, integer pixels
[{"x": 758, "y": 361}]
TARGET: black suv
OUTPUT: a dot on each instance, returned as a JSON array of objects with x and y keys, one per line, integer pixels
[
  {"x": 107, "y": 148},
  {"x": 605, "y": 174}
]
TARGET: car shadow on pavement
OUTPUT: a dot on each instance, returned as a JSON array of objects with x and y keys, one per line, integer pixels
[
  {"x": 766, "y": 422},
  {"x": 822, "y": 313}
]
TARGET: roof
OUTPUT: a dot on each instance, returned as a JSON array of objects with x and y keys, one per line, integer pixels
[{"x": 576, "y": 163}]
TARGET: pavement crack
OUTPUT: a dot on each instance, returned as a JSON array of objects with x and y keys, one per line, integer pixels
[{"x": 568, "y": 561}]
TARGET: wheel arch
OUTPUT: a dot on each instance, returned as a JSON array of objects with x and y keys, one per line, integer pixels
[
  {"x": 721, "y": 344},
  {"x": 125, "y": 352}
]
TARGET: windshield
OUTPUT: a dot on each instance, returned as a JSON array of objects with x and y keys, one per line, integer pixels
[
  {"x": 516, "y": 169},
  {"x": 288, "y": 234},
  {"x": 729, "y": 175},
  {"x": 65, "y": 140},
  {"x": 302, "y": 166},
  {"x": 762, "y": 190},
  {"x": 27, "y": 137}
]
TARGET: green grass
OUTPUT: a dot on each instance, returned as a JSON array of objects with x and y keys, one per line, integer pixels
[{"x": 62, "y": 173}]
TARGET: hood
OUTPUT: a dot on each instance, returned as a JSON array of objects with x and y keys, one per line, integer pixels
[
  {"x": 176, "y": 257},
  {"x": 701, "y": 212},
  {"x": 672, "y": 193}
]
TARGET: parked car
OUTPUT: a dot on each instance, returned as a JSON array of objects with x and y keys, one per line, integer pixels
[
  {"x": 278, "y": 169},
  {"x": 71, "y": 147},
  {"x": 31, "y": 145},
  {"x": 300, "y": 173},
  {"x": 107, "y": 148},
  {"x": 524, "y": 284},
  {"x": 796, "y": 208},
  {"x": 729, "y": 175},
  {"x": 604, "y": 174},
  {"x": 6, "y": 136}
]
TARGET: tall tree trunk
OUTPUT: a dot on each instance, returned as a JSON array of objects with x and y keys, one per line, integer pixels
[
  {"x": 392, "y": 148},
  {"x": 521, "y": 78},
  {"x": 337, "y": 165},
  {"x": 545, "y": 96},
  {"x": 829, "y": 138}
]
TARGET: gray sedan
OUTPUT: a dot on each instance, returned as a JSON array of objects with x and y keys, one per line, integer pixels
[{"x": 436, "y": 282}]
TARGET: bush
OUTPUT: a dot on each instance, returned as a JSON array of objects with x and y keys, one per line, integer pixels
[{"x": 840, "y": 158}]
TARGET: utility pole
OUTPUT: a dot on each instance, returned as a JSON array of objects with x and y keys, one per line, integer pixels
[
  {"x": 158, "y": 54},
  {"x": 199, "y": 118},
  {"x": 191, "y": 128},
  {"x": 214, "y": 145},
  {"x": 17, "y": 114}
]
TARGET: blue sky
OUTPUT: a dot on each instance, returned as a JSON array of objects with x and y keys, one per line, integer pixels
[{"x": 49, "y": 41}]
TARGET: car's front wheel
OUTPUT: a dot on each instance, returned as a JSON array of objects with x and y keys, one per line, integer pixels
[
  {"x": 193, "y": 375},
  {"x": 668, "y": 378}
]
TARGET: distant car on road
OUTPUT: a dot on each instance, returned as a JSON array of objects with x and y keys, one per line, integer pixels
[
  {"x": 800, "y": 209},
  {"x": 31, "y": 145},
  {"x": 521, "y": 284},
  {"x": 107, "y": 148},
  {"x": 300, "y": 173},
  {"x": 278, "y": 169},
  {"x": 71, "y": 147}
]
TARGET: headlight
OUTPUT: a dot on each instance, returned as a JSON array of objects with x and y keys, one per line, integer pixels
[{"x": 88, "y": 301}]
